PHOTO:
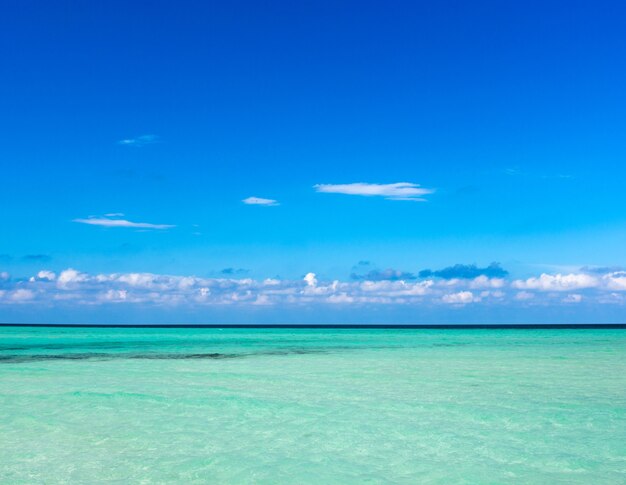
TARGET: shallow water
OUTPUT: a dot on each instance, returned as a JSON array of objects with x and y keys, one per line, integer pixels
[{"x": 312, "y": 406}]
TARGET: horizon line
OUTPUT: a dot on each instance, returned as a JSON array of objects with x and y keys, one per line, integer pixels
[{"x": 447, "y": 326}]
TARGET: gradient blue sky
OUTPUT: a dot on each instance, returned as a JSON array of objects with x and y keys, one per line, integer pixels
[{"x": 173, "y": 113}]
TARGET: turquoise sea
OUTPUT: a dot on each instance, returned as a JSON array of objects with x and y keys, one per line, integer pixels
[{"x": 235, "y": 406}]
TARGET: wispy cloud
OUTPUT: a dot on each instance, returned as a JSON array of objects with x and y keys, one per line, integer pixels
[
  {"x": 513, "y": 171},
  {"x": 109, "y": 222},
  {"x": 517, "y": 172},
  {"x": 397, "y": 191},
  {"x": 139, "y": 141},
  {"x": 36, "y": 257},
  {"x": 260, "y": 201}
]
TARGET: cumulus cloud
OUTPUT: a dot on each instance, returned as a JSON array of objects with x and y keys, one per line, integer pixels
[
  {"x": 615, "y": 280},
  {"x": 110, "y": 222},
  {"x": 460, "y": 298},
  {"x": 260, "y": 201},
  {"x": 139, "y": 141},
  {"x": 467, "y": 271},
  {"x": 310, "y": 279},
  {"x": 396, "y": 191},
  {"x": 557, "y": 282},
  {"x": 70, "y": 276},
  {"x": 44, "y": 275},
  {"x": 113, "y": 295},
  {"x": 396, "y": 288},
  {"x": 484, "y": 281}
]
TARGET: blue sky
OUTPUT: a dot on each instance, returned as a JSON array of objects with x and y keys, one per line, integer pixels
[{"x": 504, "y": 121}]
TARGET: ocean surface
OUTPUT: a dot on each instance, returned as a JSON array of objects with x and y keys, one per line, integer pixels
[{"x": 327, "y": 406}]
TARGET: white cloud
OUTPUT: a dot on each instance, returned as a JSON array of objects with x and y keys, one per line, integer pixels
[
  {"x": 138, "y": 280},
  {"x": 310, "y": 279},
  {"x": 260, "y": 201},
  {"x": 396, "y": 288},
  {"x": 616, "y": 280},
  {"x": 70, "y": 276},
  {"x": 4, "y": 276},
  {"x": 139, "y": 141},
  {"x": 460, "y": 298},
  {"x": 397, "y": 191},
  {"x": 340, "y": 298},
  {"x": 44, "y": 275},
  {"x": 114, "y": 295},
  {"x": 557, "y": 282},
  {"x": 108, "y": 222},
  {"x": 524, "y": 295},
  {"x": 483, "y": 281}
]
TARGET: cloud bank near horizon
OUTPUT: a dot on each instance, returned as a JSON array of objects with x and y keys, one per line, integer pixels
[{"x": 70, "y": 286}]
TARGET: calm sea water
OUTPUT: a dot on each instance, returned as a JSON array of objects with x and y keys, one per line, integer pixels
[{"x": 312, "y": 406}]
